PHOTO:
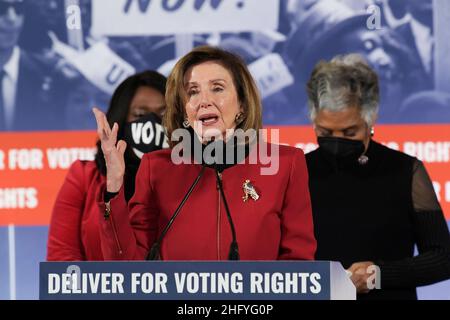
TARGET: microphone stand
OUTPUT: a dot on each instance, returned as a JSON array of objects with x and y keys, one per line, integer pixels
[
  {"x": 154, "y": 253},
  {"x": 234, "y": 248}
]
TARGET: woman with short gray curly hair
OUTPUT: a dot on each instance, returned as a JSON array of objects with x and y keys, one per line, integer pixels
[{"x": 371, "y": 205}]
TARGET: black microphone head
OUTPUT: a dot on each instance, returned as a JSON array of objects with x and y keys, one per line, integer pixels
[{"x": 220, "y": 155}]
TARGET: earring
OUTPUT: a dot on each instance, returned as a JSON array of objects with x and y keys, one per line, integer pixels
[
  {"x": 239, "y": 118},
  {"x": 372, "y": 131},
  {"x": 186, "y": 124}
]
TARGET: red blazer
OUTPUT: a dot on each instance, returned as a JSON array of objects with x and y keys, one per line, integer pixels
[
  {"x": 277, "y": 226},
  {"x": 74, "y": 228}
]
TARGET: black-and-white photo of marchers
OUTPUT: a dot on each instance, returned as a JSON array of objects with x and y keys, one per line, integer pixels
[{"x": 50, "y": 54}]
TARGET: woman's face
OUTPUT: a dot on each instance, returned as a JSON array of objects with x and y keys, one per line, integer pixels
[
  {"x": 212, "y": 102},
  {"x": 146, "y": 100},
  {"x": 346, "y": 123}
]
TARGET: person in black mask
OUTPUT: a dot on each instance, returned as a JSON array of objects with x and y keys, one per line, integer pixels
[
  {"x": 137, "y": 107},
  {"x": 371, "y": 205}
]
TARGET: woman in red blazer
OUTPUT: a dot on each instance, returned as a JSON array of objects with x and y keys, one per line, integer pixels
[
  {"x": 73, "y": 234},
  {"x": 209, "y": 93}
]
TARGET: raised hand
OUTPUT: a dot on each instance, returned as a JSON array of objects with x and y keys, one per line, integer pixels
[{"x": 112, "y": 150}]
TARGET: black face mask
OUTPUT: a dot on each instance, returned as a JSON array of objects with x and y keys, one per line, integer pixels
[
  {"x": 340, "y": 151},
  {"x": 146, "y": 134}
]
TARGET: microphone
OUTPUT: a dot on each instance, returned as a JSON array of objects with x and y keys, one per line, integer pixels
[
  {"x": 233, "y": 254},
  {"x": 234, "y": 248},
  {"x": 154, "y": 253}
]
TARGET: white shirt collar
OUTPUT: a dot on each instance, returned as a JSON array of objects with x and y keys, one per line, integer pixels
[{"x": 11, "y": 67}]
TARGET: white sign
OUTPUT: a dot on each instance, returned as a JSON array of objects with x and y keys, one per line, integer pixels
[
  {"x": 103, "y": 67},
  {"x": 271, "y": 74},
  {"x": 98, "y": 64},
  {"x": 163, "y": 17}
]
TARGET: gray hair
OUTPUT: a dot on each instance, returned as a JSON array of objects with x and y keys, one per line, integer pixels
[{"x": 345, "y": 81}]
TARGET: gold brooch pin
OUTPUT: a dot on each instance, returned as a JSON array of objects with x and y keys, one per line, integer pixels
[{"x": 249, "y": 190}]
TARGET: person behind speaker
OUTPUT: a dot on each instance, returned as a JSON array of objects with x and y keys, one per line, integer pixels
[
  {"x": 371, "y": 204},
  {"x": 73, "y": 234}
]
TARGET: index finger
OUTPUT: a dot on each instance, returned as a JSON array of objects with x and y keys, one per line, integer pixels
[
  {"x": 98, "y": 116},
  {"x": 103, "y": 129}
]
